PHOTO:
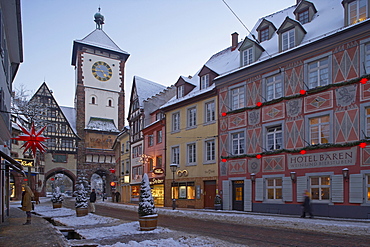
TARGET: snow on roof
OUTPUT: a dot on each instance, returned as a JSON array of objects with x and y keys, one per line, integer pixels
[
  {"x": 146, "y": 89},
  {"x": 70, "y": 114},
  {"x": 102, "y": 124},
  {"x": 328, "y": 20},
  {"x": 99, "y": 38},
  {"x": 195, "y": 92}
]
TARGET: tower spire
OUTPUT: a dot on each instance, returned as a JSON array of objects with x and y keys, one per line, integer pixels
[{"x": 99, "y": 19}]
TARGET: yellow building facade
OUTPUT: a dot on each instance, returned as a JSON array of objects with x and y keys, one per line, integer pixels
[{"x": 191, "y": 141}]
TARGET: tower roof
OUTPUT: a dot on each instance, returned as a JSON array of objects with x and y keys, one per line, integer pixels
[{"x": 98, "y": 39}]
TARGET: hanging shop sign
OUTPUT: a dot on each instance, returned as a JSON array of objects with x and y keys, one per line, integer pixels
[
  {"x": 154, "y": 181},
  {"x": 25, "y": 162},
  {"x": 158, "y": 171},
  {"x": 323, "y": 159}
]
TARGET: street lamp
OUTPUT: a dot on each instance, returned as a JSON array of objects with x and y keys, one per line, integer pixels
[{"x": 173, "y": 168}]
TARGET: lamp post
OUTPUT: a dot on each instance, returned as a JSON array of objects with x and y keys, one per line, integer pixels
[{"x": 173, "y": 168}]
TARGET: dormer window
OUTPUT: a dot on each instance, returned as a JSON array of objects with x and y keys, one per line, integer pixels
[
  {"x": 288, "y": 39},
  {"x": 180, "y": 91},
  {"x": 248, "y": 56},
  {"x": 264, "y": 34},
  {"x": 305, "y": 11},
  {"x": 265, "y": 30},
  {"x": 250, "y": 51},
  {"x": 291, "y": 34},
  {"x": 357, "y": 11},
  {"x": 204, "y": 81},
  {"x": 303, "y": 17}
]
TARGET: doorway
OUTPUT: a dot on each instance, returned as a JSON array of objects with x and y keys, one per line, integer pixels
[
  {"x": 209, "y": 193},
  {"x": 238, "y": 195}
]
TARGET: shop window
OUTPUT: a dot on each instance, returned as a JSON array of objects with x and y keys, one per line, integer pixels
[
  {"x": 320, "y": 188},
  {"x": 183, "y": 190}
]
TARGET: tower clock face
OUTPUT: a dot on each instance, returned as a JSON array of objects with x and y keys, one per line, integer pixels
[{"x": 102, "y": 71}]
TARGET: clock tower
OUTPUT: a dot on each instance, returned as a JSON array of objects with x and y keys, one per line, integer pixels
[{"x": 99, "y": 99}]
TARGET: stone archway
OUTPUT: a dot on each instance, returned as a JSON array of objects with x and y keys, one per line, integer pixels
[
  {"x": 54, "y": 173},
  {"x": 100, "y": 180}
]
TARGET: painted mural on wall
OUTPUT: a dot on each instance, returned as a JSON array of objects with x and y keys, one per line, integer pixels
[{"x": 101, "y": 141}]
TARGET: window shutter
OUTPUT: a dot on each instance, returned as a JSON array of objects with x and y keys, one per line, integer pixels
[
  {"x": 226, "y": 195},
  {"x": 301, "y": 187},
  {"x": 259, "y": 189},
  {"x": 247, "y": 195},
  {"x": 337, "y": 188},
  {"x": 287, "y": 189},
  {"x": 356, "y": 188}
]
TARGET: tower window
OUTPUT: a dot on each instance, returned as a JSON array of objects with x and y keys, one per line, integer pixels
[
  {"x": 110, "y": 103},
  {"x": 93, "y": 100}
]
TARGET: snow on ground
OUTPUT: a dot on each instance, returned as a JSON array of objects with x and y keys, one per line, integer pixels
[
  {"x": 347, "y": 226},
  {"x": 101, "y": 229}
]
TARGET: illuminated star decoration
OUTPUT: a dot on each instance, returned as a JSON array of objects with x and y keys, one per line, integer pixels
[{"x": 33, "y": 139}]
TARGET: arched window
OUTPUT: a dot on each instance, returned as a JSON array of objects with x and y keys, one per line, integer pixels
[
  {"x": 93, "y": 100},
  {"x": 109, "y": 102}
]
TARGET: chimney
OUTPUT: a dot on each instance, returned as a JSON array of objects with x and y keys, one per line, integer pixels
[{"x": 234, "y": 40}]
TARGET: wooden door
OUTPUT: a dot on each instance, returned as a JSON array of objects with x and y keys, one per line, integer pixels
[{"x": 209, "y": 193}]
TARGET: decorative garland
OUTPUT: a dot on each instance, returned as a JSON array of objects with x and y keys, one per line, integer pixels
[
  {"x": 307, "y": 148},
  {"x": 310, "y": 147},
  {"x": 309, "y": 91}
]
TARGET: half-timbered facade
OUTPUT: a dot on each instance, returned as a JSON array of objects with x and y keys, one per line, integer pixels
[{"x": 61, "y": 153}]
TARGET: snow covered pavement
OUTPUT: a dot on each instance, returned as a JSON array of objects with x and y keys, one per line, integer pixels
[{"x": 106, "y": 231}]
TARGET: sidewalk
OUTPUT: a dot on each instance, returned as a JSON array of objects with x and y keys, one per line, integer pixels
[{"x": 40, "y": 233}]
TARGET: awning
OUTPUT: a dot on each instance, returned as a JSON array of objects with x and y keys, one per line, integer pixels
[{"x": 12, "y": 163}]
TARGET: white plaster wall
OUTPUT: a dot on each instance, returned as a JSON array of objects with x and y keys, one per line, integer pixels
[{"x": 102, "y": 90}]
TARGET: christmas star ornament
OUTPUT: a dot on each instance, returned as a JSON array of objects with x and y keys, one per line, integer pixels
[{"x": 33, "y": 139}]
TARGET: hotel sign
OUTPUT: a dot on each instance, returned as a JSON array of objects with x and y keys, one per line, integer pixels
[{"x": 324, "y": 159}]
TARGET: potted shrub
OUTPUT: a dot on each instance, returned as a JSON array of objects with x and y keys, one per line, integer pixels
[
  {"x": 147, "y": 213},
  {"x": 218, "y": 202},
  {"x": 81, "y": 203},
  {"x": 57, "y": 198}
]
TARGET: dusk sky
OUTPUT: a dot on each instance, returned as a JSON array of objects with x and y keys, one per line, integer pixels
[{"x": 165, "y": 38}]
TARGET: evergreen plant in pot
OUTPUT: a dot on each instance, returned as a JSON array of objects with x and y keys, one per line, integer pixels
[
  {"x": 57, "y": 198},
  {"x": 148, "y": 216},
  {"x": 81, "y": 203}
]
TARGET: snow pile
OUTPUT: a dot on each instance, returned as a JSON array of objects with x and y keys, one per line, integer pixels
[{"x": 116, "y": 231}]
